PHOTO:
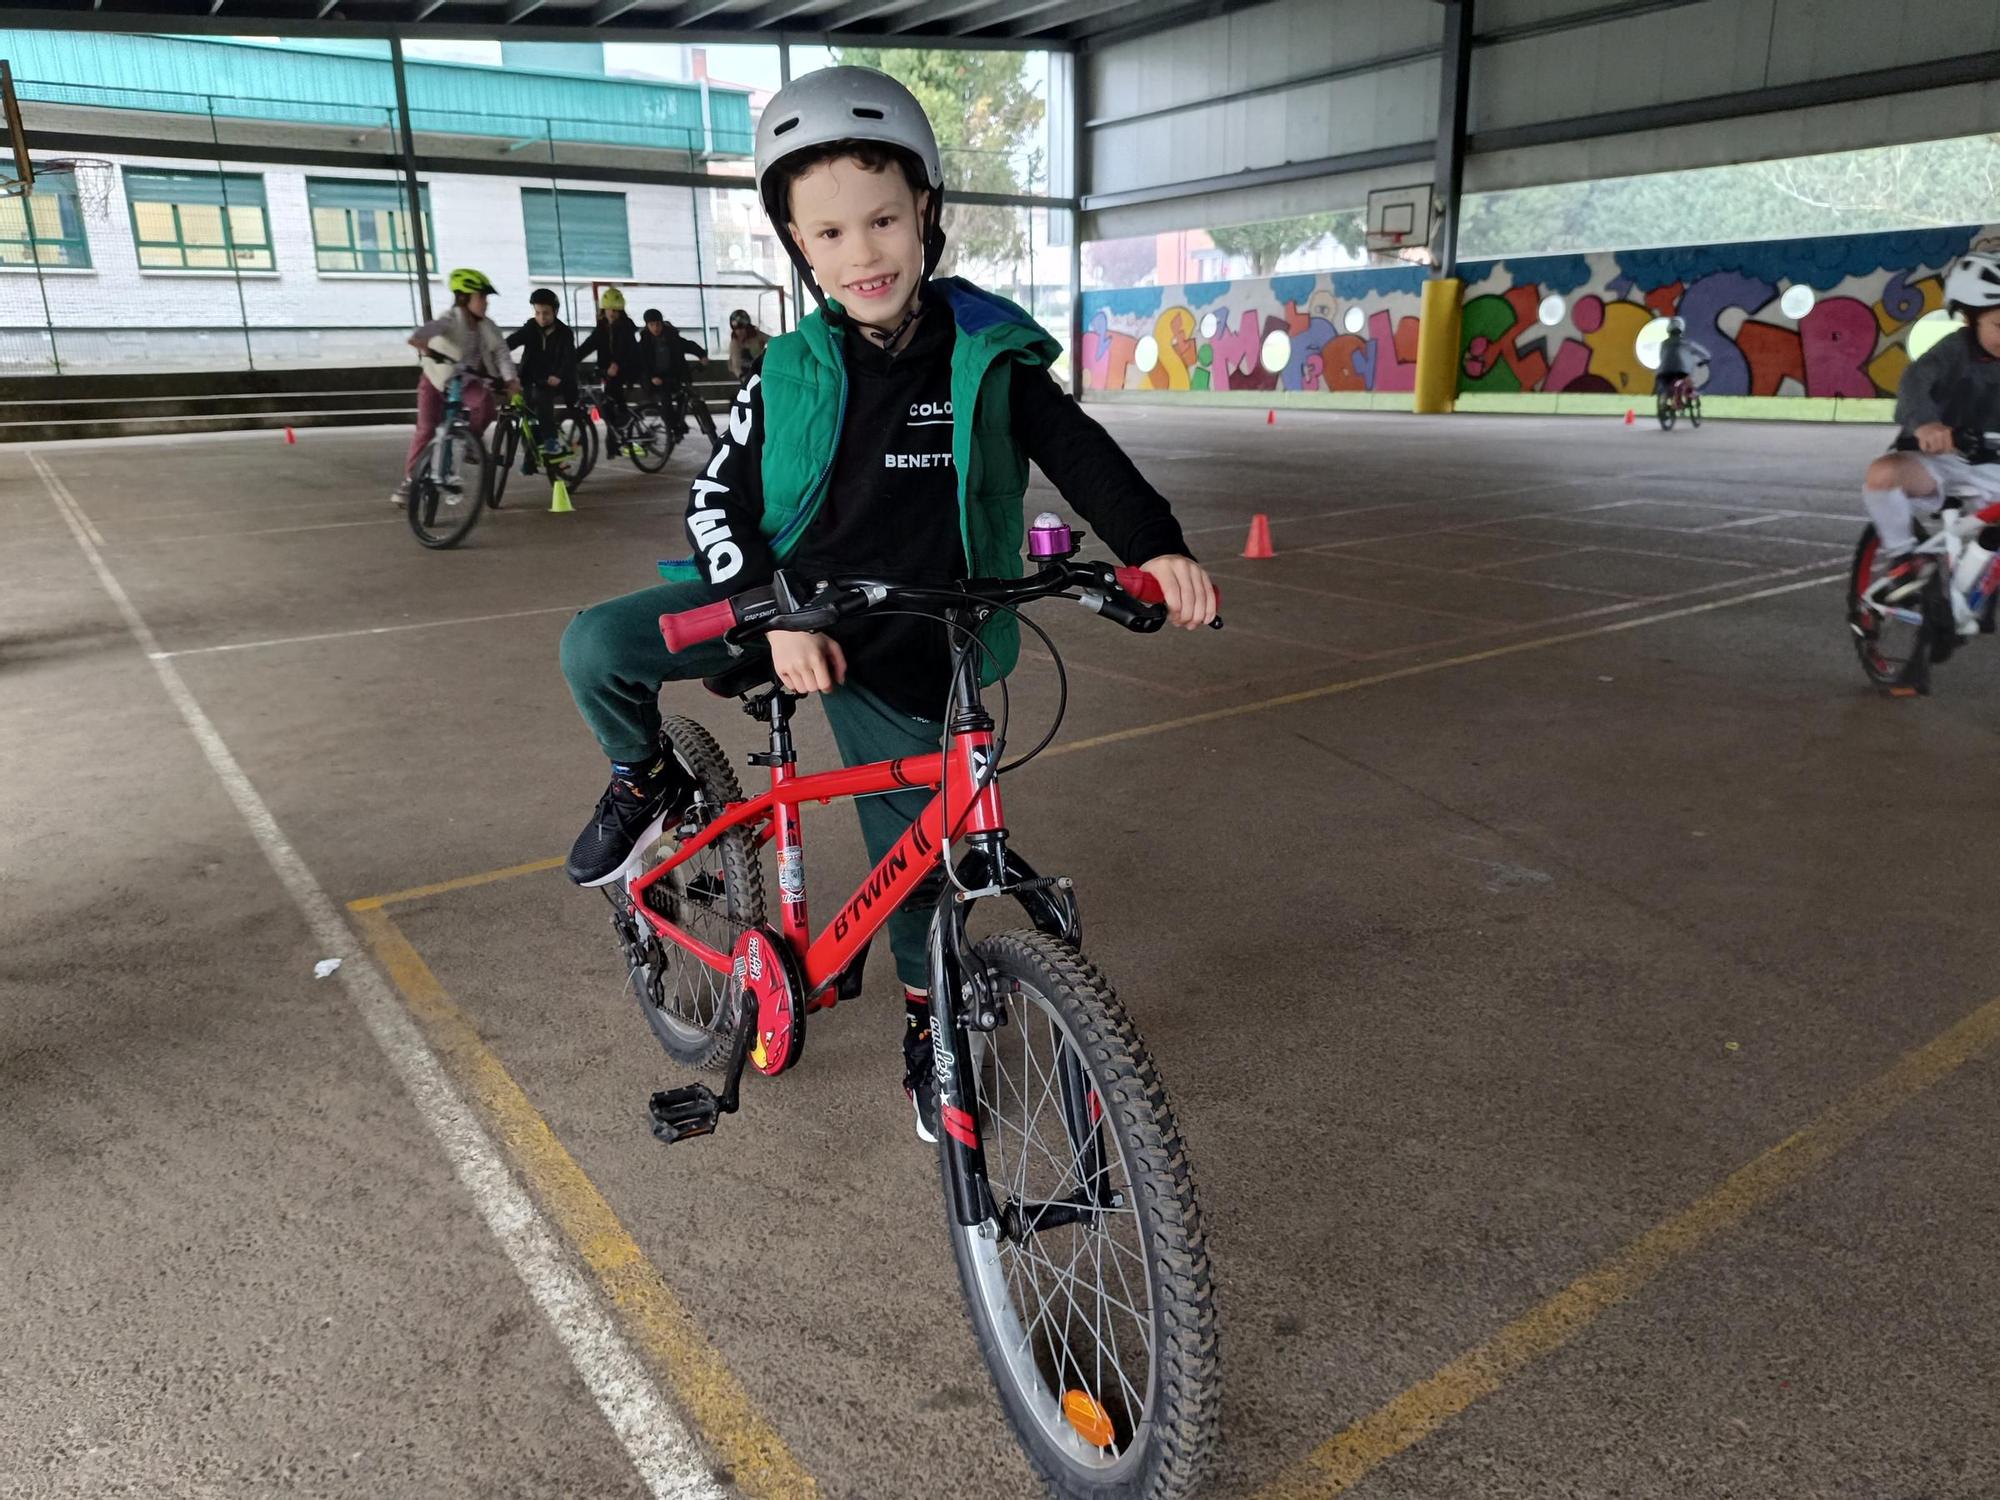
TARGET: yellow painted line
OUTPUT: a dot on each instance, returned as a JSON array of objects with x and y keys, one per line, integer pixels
[
  {"x": 735, "y": 1432},
  {"x": 1342, "y": 1462},
  {"x": 463, "y": 882},
  {"x": 1424, "y": 668},
  {"x": 1216, "y": 715}
]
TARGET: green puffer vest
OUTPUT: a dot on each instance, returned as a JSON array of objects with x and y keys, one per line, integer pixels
[{"x": 805, "y": 404}]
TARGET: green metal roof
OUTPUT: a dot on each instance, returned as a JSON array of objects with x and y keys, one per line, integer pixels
[{"x": 240, "y": 80}]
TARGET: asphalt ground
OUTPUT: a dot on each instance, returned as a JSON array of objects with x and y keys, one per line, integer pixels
[{"x": 1575, "y": 984}]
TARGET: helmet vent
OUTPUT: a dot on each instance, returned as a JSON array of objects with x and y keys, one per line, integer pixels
[
  {"x": 862, "y": 112},
  {"x": 785, "y": 125}
]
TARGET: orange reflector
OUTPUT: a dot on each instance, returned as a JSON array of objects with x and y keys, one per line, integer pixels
[{"x": 1091, "y": 1421}]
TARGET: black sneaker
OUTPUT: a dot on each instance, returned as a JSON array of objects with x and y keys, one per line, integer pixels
[
  {"x": 629, "y": 817},
  {"x": 920, "y": 1081}
]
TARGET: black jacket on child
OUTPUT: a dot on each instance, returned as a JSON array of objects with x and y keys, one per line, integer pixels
[
  {"x": 668, "y": 354},
  {"x": 622, "y": 344},
  {"x": 545, "y": 352}
]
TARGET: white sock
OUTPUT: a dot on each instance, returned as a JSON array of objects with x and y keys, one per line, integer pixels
[{"x": 1892, "y": 513}]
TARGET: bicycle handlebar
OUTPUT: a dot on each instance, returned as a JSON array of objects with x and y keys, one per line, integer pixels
[{"x": 1130, "y": 597}]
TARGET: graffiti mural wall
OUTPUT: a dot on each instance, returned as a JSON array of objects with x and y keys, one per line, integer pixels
[{"x": 1789, "y": 318}]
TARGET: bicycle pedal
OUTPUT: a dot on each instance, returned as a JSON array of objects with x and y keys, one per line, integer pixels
[{"x": 682, "y": 1113}]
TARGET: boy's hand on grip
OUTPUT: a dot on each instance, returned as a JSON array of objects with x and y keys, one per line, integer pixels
[
  {"x": 1934, "y": 437},
  {"x": 1190, "y": 592},
  {"x": 806, "y": 662}
]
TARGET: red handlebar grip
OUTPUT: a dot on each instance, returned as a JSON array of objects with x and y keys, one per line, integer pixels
[
  {"x": 1144, "y": 587},
  {"x": 693, "y": 626}
]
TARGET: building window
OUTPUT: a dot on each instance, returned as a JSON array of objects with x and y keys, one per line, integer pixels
[
  {"x": 576, "y": 234},
  {"x": 44, "y": 226},
  {"x": 199, "y": 221},
  {"x": 363, "y": 225}
]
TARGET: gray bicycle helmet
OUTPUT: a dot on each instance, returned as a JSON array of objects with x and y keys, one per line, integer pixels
[{"x": 847, "y": 104}]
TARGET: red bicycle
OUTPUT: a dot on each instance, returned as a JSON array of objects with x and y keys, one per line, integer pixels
[{"x": 1070, "y": 1205}]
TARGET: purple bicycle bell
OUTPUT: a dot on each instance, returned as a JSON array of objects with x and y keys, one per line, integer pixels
[{"x": 1050, "y": 537}]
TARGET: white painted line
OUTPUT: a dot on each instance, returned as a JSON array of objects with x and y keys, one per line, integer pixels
[
  {"x": 660, "y": 1447},
  {"x": 343, "y": 635}
]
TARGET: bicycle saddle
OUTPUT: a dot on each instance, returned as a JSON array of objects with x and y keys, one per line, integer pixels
[{"x": 752, "y": 674}]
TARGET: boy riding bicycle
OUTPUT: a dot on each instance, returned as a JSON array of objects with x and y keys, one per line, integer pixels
[
  {"x": 747, "y": 343},
  {"x": 888, "y": 435},
  {"x": 1954, "y": 387},
  {"x": 1679, "y": 355},
  {"x": 548, "y": 364},
  {"x": 474, "y": 341},
  {"x": 621, "y": 355},
  {"x": 668, "y": 375}
]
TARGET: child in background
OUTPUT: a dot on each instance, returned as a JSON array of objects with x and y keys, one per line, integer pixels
[
  {"x": 667, "y": 373},
  {"x": 471, "y": 339},
  {"x": 548, "y": 366}
]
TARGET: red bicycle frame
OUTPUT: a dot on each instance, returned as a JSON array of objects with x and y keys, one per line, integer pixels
[{"x": 962, "y": 773}]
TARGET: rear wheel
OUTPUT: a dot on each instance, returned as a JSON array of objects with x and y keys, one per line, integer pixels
[
  {"x": 1099, "y": 1333},
  {"x": 1894, "y": 643},
  {"x": 714, "y": 897},
  {"x": 445, "y": 500},
  {"x": 1664, "y": 407}
]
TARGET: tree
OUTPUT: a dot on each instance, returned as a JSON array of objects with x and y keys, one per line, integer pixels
[
  {"x": 1269, "y": 242},
  {"x": 1127, "y": 262},
  {"x": 988, "y": 123}
]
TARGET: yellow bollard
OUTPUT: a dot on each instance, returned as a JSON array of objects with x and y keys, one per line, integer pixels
[
  {"x": 1438, "y": 346},
  {"x": 559, "y": 499}
]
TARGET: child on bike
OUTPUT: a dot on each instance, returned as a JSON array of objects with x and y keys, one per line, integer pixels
[
  {"x": 667, "y": 373},
  {"x": 888, "y": 435},
  {"x": 1679, "y": 355},
  {"x": 472, "y": 340},
  {"x": 621, "y": 356},
  {"x": 747, "y": 343},
  {"x": 1954, "y": 387},
  {"x": 547, "y": 365}
]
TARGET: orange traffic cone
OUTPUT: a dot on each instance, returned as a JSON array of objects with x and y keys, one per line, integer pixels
[
  {"x": 290, "y": 436},
  {"x": 1259, "y": 543},
  {"x": 1270, "y": 419},
  {"x": 1631, "y": 415}
]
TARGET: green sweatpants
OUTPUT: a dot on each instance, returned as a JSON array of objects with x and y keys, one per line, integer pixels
[{"x": 615, "y": 660}]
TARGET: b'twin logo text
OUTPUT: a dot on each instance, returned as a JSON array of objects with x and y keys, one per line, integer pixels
[{"x": 708, "y": 523}]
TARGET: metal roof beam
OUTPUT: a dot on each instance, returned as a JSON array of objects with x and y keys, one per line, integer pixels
[
  {"x": 687, "y": 15},
  {"x": 860, "y": 10},
  {"x": 607, "y": 11},
  {"x": 516, "y": 9},
  {"x": 770, "y": 15},
  {"x": 1073, "y": 11}
]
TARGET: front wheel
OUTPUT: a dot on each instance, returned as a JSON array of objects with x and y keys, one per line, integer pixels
[
  {"x": 652, "y": 440},
  {"x": 1694, "y": 411},
  {"x": 1099, "y": 1332},
  {"x": 506, "y": 448},
  {"x": 446, "y": 497}
]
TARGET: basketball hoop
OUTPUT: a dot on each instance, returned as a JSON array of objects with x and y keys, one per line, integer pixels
[{"x": 91, "y": 177}]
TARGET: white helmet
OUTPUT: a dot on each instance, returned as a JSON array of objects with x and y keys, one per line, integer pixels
[
  {"x": 846, "y": 104},
  {"x": 1973, "y": 281}
]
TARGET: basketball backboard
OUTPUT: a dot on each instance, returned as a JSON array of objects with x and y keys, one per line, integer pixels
[{"x": 1401, "y": 221}]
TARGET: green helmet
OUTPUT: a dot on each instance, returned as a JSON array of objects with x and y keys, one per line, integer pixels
[
  {"x": 469, "y": 282},
  {"x": 612, "y": 297}
]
